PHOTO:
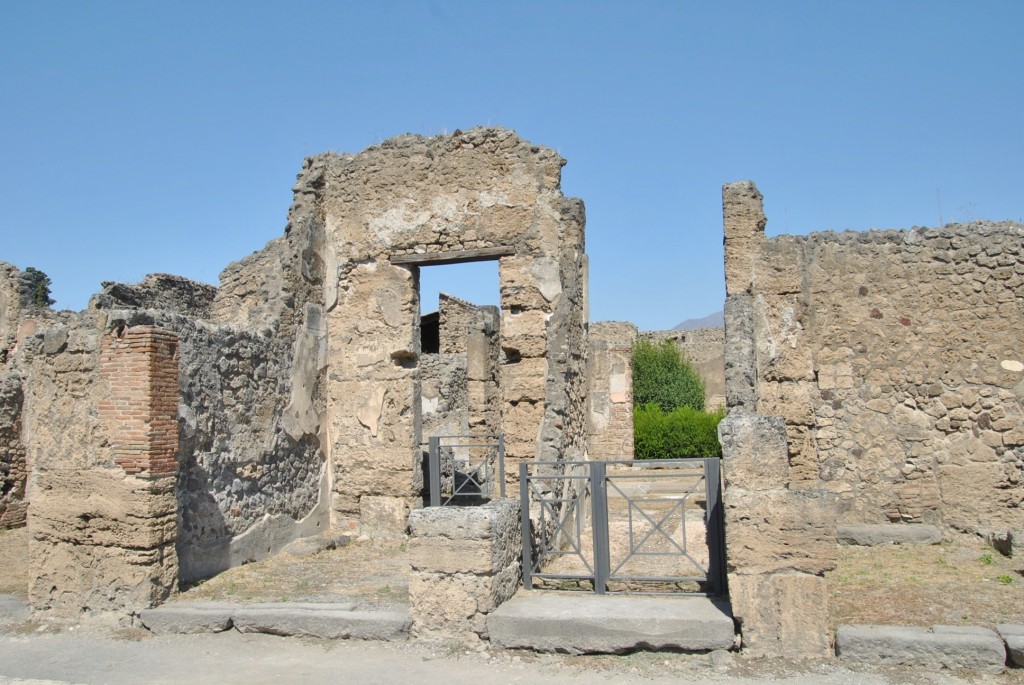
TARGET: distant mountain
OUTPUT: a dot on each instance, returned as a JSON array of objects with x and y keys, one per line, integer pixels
[{"x": 715, "y": 320}]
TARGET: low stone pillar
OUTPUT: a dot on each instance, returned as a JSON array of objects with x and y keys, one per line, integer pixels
[
  {"x": 779, "y": 542},
  {"x": 465, "y": 562}
]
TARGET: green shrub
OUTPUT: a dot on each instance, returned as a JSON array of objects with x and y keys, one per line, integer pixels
[
  {"x": 39, "y": 286},
  {"x": 679, "y": 434},
  {"x": 662, "y": 376}
]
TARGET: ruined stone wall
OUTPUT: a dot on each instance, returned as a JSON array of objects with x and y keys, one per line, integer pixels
[
  {"x": 102, "y": 517},
  {"x": 705, "y": 349},
  {"x": 474, "y": 332},
  {"x": 18, "y": 319},
  {"x": 480, "y": 194},
  {"x": 157, "y": 291},
  {"x": 890, "y": 363},
  {"x": 780, "y": 534},
  {"x": 610, "y": 374},
  {"x": 896, "y": 359}
]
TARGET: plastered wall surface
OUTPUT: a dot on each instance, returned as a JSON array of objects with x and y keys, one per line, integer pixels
[{"x": 610, "y": 374}]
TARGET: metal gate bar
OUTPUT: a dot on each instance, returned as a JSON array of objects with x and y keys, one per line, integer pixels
[
  {"x": 554, "y": 538},
  {"x": 481, "y": 475}
]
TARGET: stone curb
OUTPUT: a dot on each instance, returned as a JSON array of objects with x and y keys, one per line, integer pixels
[
  {"x": 1013, "y": 636},
  {"x": 328, "y": 621},
  {"x": 952, "y": 647}
]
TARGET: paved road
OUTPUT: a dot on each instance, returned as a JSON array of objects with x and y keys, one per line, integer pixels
[{"x": 96, "y": 657}]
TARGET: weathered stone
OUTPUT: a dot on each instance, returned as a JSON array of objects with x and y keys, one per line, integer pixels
[
  {"x": 953, "y": 647},
  {"x": 781, "y": 614},
  {"x": 581, "y": 624},
  {"x": 780, "y": 530},
  {"x": 383, "y": 517},
  {"x": 872, "y": 534},
  {"x": 1013, "y": 636},
  {"x": 754, "y": 451}
]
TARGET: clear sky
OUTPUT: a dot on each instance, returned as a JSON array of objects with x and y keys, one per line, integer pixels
[{"x": 142, "y": 136}]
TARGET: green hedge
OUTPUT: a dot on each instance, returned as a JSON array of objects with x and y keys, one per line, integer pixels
[{"x": 678, "y": 434}]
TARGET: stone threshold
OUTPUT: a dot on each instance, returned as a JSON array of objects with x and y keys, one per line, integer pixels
[
  {"x": 586, "y": 623},
  {"x": 332, "y": 621}
]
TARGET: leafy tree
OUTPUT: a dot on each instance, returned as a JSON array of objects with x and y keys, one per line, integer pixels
[
  {"x": 662, "y": 376},
  {"x": 39, "y": 287}
]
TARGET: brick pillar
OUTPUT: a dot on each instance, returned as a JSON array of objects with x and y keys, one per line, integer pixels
[{"x": 141, "y": 365}]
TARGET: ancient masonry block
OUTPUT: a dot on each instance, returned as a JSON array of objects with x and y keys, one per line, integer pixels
[
  {"x": 141, "y": 366},
  {"x": 465, "y": 563}
]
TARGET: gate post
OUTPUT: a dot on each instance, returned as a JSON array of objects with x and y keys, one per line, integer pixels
[
  {"x": 434, "y": 464},
  {"x": 713, "y": 522},
  {"x": 599, "y": 501},
  {"x": 524, "y": 519}
]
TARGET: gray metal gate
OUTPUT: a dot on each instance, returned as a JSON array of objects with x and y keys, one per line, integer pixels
[
  {"x": 465, "y": 469},
  {"x": 623, "y": 526}
]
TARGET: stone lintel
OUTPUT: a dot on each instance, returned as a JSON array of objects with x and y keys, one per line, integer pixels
[{"x": 456, "y": 257}]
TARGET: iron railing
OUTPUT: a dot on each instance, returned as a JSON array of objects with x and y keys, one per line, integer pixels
[
  {"x": 465, "y": 469},
  {"x": 666, "y": 516}
]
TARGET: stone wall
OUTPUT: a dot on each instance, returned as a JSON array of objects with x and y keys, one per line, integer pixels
[
  {"x": 610, "y": 374},
  {"x": 101, "y": 539},
  {"x": 892, "y": 363},
  {"x": 18, "y": 319},
  {"x": 896, "y": 359},
  {"x": 414, "y": 201},
  {"x": 780, "y": 539}
]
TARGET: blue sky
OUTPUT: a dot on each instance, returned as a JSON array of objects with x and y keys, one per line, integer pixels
[{"x": 140, "y": 137}]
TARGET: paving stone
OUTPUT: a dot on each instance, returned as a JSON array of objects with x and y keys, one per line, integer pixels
[
  {"x": 953, "y": 647},
  {"x": 13, "y": 609},
  {"x": 582, "y": 623}
]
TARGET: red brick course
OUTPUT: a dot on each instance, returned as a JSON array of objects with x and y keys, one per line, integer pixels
[{"x": 141, "y": 367}]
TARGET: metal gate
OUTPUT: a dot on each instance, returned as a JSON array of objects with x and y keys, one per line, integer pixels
[{"x": 623, "y": 526}]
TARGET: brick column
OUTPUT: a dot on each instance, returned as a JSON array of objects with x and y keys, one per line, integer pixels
[{"x": 141, "y": 366}]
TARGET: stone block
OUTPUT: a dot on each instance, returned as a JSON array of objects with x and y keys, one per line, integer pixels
[
  {"x": 524, "y": 380},
  {"x": 494, "y": 520},
  {"x": 754, "y": 452},
  {"x": 873, "y": 534},
  {"x": 781, "y": 615},
  {"x": 326, "y": 621},
  {"x": 740, "y": 373},
  {"x": 952, "y": 647},
  {"x": 443, "y": 555},
  {"x": 383, "y": 517},
  {"x": 456, "y": 604},
  {"x": 744, "y": 220},
  {"x": 581, "y": 624},
  {"x": 1013, "y": 636},
  {"x": 187, "y": 617},
  {"x": 780, "y": 530}
]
